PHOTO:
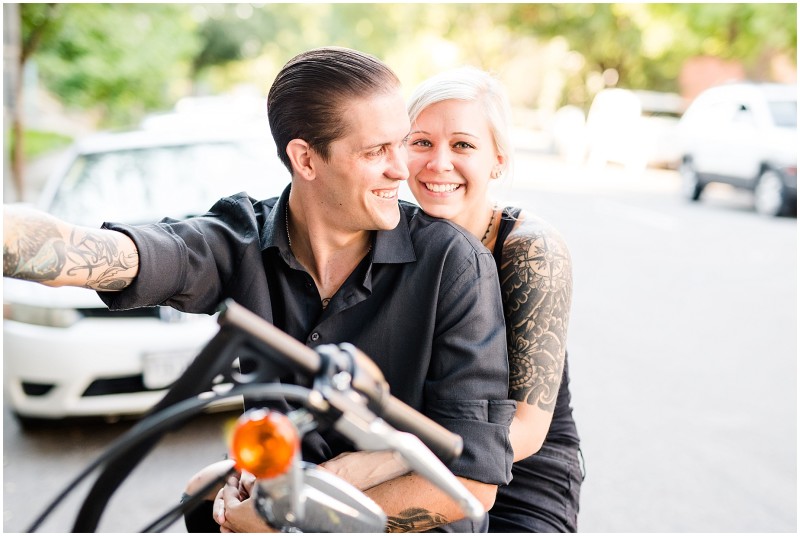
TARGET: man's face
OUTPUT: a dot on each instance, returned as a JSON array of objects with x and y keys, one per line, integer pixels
[{"x": 359, "y": 183}]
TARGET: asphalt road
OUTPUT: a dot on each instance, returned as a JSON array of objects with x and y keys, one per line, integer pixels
[{"x": 683, "y": 353}]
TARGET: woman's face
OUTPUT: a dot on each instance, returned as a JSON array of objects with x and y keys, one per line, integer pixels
[{"x": 452, "y": 154}]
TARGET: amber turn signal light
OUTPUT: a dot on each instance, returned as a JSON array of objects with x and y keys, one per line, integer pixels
[{"x": 264, "y": 443}]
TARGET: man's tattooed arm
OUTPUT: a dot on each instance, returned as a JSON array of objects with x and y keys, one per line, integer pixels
[
  {"x": 536, "y": 281},
  {"x": 39, "y": 247},
  {"x": 414, "y": 520},
  {"x": 413, "y": 504}
]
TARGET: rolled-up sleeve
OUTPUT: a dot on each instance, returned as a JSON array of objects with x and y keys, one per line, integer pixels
[
  {"x": 162, "y": 270},
  {"x": 190, "y": 264},
  {"x": 467, "y": 391}
]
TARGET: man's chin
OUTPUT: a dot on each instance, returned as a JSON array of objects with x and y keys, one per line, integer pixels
[{"x": 387, "y": 222}]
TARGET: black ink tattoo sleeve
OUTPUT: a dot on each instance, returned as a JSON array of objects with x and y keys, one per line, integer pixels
[
  {"x": 37, "y": 254},
  {"x": 35, "y": 250},
  {"x": 536, "y": 282},
  {"x": 101, "y": 259},
  {"x": 415, "y": 520}
]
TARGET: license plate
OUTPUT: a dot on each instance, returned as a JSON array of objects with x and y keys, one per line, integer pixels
[{"x": 161, "y": 369}]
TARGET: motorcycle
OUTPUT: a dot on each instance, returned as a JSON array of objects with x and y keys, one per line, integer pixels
[{"x": 348, "y": 393}]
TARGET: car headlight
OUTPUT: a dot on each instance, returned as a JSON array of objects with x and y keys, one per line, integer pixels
[{"x": 41, "y": 316}]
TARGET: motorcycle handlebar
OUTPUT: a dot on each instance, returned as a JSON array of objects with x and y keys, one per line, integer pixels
[{"x": 444, "y": 443}]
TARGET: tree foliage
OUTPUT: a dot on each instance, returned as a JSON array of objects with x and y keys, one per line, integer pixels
[
  {"x": 646, "y": 44},
  {"x": 121, "y": 57},
  {"x": 126, "y": 57}
]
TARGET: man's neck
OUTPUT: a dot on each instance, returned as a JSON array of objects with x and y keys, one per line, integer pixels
[{"x": 328, "y": 254}]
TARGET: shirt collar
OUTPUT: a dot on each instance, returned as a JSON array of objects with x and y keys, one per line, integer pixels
[
  {"x": 273, "y": 233},
  {"x": 395, "y": 246}
]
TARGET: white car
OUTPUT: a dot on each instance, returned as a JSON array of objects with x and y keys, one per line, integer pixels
[
  {"x": 634, "y": 128},
  {"x": 64, "y": 353},
  {"x": 745, "y": 135}
]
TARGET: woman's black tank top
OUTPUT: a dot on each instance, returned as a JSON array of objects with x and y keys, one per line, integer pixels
[{"x": 562, "y": 429}]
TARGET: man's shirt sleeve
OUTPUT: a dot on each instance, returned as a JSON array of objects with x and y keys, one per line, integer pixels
[{"x": 467, "y": 391}]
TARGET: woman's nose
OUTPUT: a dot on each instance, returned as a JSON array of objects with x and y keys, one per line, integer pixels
[{"x": 440, "y": 160}]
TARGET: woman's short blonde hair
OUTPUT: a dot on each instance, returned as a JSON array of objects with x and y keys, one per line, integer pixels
[{"x": 470, "y": 84}]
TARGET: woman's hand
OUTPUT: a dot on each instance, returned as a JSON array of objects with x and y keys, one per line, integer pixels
[{"x": 234, "y": 509}]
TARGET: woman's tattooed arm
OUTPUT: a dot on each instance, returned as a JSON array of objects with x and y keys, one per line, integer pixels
[
  {"x": 39, "y": 247},
  {"x": 536, "y": 281}
]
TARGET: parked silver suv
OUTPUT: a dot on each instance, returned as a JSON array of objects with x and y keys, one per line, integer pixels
[{"x": 745, "y": 135}]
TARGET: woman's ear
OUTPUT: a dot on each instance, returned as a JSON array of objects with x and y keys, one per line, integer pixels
[
  {"x": 500, "y": 167},
  {"x": 299, "y": 152}
]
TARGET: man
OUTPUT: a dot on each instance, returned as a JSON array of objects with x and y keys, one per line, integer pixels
[{"x": 335, "y": 259}]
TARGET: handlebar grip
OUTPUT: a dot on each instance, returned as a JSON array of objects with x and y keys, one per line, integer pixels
[{"x": 444, "y": 443}]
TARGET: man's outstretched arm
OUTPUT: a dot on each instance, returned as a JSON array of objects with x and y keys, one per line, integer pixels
[{"x": 39, "y": 247}]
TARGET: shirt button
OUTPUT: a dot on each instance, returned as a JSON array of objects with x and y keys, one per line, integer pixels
[{"x": 315, "y": 336}]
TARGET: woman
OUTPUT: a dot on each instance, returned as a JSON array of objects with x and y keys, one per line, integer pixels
[{"x": 459, "y": 143}]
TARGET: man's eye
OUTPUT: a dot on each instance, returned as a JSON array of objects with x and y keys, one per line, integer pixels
[{"x": 377, "y": 152}]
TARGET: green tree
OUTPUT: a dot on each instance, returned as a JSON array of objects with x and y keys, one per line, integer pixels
[
  {"x": 647, "y": 44},
  {"x": 36, "y": 24},
  {"x": 119, "y": 57}
]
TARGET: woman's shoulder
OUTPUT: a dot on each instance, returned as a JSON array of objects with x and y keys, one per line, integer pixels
[
  {"x": 530, "y": 226},
  {"x": 537, "y": 248}
]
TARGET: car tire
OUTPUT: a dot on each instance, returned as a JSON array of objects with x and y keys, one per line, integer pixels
[
  {"x": 770, "y": 194},
  {"x": 691, "y": 185}
]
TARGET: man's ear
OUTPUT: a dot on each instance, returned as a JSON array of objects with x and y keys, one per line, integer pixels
[{"x": 299, "y": 152}]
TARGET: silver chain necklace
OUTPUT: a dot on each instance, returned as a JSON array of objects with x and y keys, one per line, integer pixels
[{"x": 289, "y": 238}]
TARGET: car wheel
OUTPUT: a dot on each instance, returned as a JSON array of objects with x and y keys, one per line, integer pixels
[
  {"x": 770, "y": 194},
  {"x": 691, "y": 185}
]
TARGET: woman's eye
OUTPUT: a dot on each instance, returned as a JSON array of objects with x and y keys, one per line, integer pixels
[
  {"x": 421, "y": 143},
  {"x": 463, "y": 145}
]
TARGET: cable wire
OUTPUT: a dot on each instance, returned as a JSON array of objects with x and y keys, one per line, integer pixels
[{"x": 162, "y": 421}]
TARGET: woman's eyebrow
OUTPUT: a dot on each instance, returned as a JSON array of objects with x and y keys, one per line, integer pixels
[{"x": 457, "y": 133}]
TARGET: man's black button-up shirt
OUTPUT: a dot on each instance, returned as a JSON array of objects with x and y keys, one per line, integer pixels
[{"x": 424, "y": 304}]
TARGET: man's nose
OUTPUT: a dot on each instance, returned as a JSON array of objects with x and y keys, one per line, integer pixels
[{"x": 398, "y": 164}]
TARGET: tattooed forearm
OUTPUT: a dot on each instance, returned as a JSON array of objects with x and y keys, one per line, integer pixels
[
  {"x": 36, "y": 248},
  {"x": 37, "y": 254},
  {"x": 536, "y": 280},
  {"x": 415, "y": 520},
  {"x": 101, "y": 259}
]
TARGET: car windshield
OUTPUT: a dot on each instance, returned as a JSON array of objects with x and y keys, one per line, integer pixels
[
  {"x": 147, "y": 184},
  {"x": 784, "y": 113}
]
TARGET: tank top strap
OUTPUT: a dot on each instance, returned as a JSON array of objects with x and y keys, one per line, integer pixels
[{"x": 508, "y": 219}]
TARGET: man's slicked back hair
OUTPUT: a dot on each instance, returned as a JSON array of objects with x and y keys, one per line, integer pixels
[{"x": 307, "y": 98}]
